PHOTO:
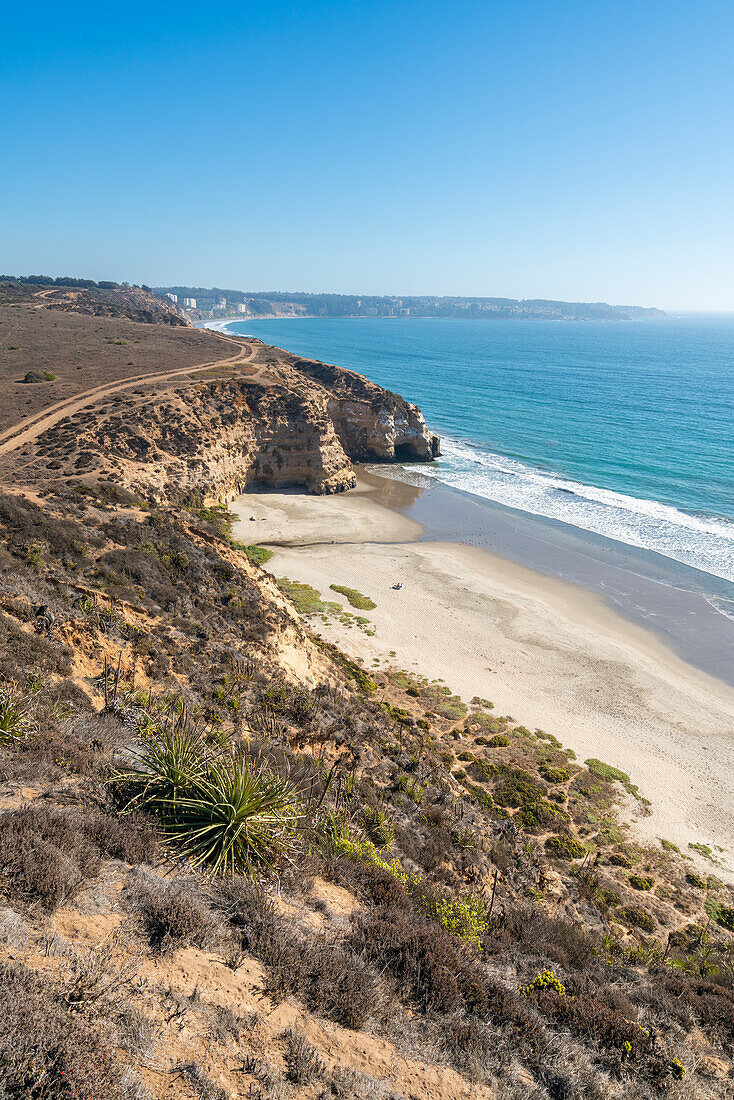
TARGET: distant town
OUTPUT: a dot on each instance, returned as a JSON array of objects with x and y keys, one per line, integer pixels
[{"x": 202, "y": 304}]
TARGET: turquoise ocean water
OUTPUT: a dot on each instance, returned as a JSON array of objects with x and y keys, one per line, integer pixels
[{"x": 621, "y": 429}]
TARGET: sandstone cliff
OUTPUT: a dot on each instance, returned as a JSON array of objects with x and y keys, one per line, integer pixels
[{"x": 268, "y": 419}]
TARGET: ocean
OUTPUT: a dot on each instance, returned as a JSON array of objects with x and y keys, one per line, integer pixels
[{"x": 622, "y": 431}]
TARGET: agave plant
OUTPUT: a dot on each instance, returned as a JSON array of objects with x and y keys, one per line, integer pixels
[
  {"x": 172, "y": 760},
  {"x": 13, "y": 716},
  {"x": 237, "y": 818}
]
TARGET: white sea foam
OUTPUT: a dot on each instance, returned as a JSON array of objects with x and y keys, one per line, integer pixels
[{"x": 703, "y": 542}]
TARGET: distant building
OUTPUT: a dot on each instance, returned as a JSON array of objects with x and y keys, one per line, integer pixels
[
  {"x": 189, "y": 303},
  {"x": 240, "y": 307},
  {"x": 173, "y": 297},
  {"x": 221, "y": 303}
]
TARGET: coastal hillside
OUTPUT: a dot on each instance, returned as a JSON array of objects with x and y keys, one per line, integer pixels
[{"x": 235, "y": 862}]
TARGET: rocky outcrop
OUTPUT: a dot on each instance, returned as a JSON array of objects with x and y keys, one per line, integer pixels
[
  {"x": 373, "y": 424},
  {"x": 283, "y": 422}
]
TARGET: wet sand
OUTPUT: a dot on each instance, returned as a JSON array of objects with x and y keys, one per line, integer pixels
[{"x": 550, "y": 653}]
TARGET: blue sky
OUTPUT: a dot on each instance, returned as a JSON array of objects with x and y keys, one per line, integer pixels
[{"x": 564, "y": 150}]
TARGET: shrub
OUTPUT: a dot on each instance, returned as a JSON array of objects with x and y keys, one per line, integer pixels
[
  {"x": 48, "y": 853},
  {"x": 499, "y": 741},
  {"x": 13, "y": 716},
  {"x": 431, "y": 967},
  {"x": 172, "y": 913},
  {"x": 725, "y": 917},
  {"x": 620, "y": 859},
  {"x": 465, "y": 918},
  {"x": 303, "y": 1062},
  {"x": 554, "y": 775},
  {"x": 220, "y": 812},
  {"x": 518, "y": 788},
  {"x": 354, "y": 598},
  {"x": 696, "y": 880},
  {"x": 545, "y": 981},
  {"x": 47, "y": 1052},
  {"x": 378, "y": 827},
  {"x": 334, "y": 981},
  {"x": 237, "y": 818},
  {"x": 564, "y": 847},
  {"x": 641, "y": 882},
  {"x": 541, "y": 814},
  {"x": 637, "y": 918}
]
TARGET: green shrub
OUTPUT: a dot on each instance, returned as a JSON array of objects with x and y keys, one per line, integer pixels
[
  {"x": 518, "y": 788},
  {"x": 637, "y": 918},
  {"x": 259, "y": 554},
  {"x": 237, "y": 819},
  {"x": 541, "y": 814},
  {"x": 354, "y": 598},
  {"x": 696, "y": 880},
  {"x": 465, "y": 918},
  {"x": 378, "y": 827},
  {"x": 607, "y": 771},
  {"x": 545, "y": 981},
  {"x": 13, "y": 716},
  {"x": 620, "y": 859},
  {"x": 499, "y": 741},
  {"x": 554, "y": 775},
  {"x": 725, "y": 917},
  {"x": 641, "y": 882},
  {"x": 220, "y": 812},
  {"x": 565, "y": 847}
]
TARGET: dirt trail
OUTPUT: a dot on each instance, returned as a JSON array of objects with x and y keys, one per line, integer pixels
[{"x": 29, "y": 429}]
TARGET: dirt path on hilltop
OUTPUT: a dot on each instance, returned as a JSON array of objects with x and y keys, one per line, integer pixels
[{"x": 25, "y": 431}]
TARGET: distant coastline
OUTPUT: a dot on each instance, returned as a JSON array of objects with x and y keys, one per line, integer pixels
[{"x": 213, "y": 303}]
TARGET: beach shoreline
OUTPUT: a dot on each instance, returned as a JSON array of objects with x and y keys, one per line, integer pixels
[{"x": 548, "y": 652}]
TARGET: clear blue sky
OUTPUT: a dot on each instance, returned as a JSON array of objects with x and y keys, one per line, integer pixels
[{"x": 566, "y": 150}]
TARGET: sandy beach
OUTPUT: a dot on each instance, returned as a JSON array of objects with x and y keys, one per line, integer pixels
[{"x": 549, "y": 653}]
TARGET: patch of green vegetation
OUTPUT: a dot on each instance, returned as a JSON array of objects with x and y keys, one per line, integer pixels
[
  {"x": 703, "y": 850},
  {"x": 307, "y": 600},
  {"x": 725, "y": 917},
  {"x": 354, "y": 598},
  {"x": 541, "y": 814},
  {"x": 365, "y": 684},
  {"x": 696, "y": 880},
  {"x": 565, "y": 847},
  {"x": 641, "y": 882},
  {"x": 378, "y": 827},
  {"x": 518, "y": 788},
  {"x": 39, "y": 376},
  {"x": 259, "y": 554},
  {"x": 669, "y": 846},
  {"x": 637, "y": 918},
  {"x": 544, "y": 982},
  {"x": 499, "y": 741},
  {"x": 554, "y": 775},
  {"x": 607, "y": 771},
  {"x": 465, "y": 918}
]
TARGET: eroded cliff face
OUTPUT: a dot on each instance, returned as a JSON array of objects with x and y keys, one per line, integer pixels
[
  {"x": 277, "y": 423},
  {"x": 373, "y": 424}
]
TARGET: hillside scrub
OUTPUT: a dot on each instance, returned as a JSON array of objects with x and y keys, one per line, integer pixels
[{"x": 182, "y": 778}]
